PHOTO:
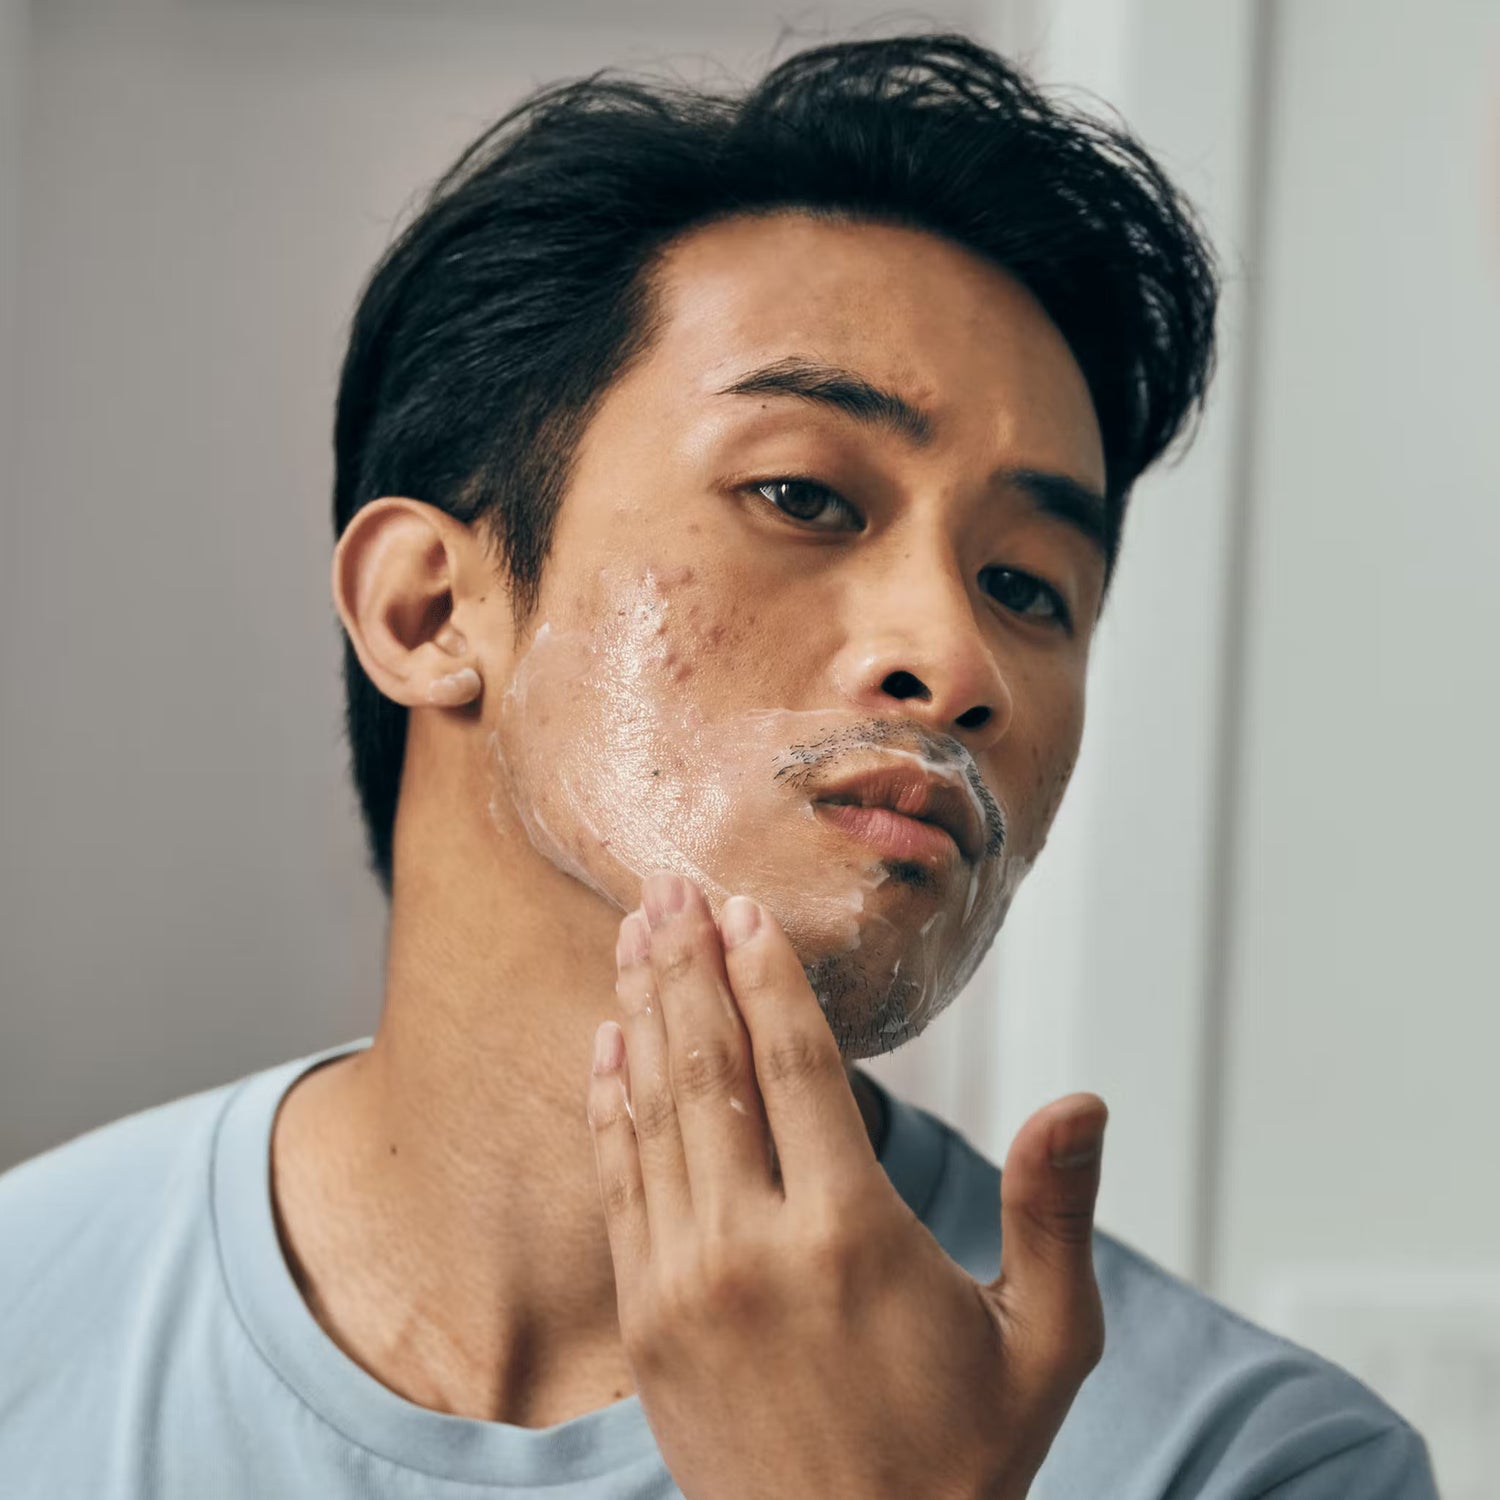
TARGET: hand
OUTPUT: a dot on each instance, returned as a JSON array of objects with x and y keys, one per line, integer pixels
[{"x": 794, "y": 1329}]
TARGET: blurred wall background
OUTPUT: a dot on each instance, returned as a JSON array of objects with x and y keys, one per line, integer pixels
[{"x": 1265, "y": 927}]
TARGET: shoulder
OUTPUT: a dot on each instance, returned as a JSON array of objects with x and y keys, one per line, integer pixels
[
  {"x": 1215, "y": 1404},
  {"x": 83, "y": 1211},
  {"x": 1190, "y": 1397}
]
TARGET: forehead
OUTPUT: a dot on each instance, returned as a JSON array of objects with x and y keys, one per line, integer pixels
[{"x": 907, "y": 310}]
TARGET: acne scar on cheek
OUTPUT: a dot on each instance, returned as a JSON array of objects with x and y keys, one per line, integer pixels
[{"x": 612, "y": 768}]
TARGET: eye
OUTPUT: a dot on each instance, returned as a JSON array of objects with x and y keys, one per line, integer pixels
[
  {"x": 804, "y": 499},
  {"x": 1028, "y": 596}
]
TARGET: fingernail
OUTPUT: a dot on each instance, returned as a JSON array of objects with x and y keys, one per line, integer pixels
[
  {"x": 609, "y": 1047},
  {"x": 634, "y": 941},
  {"x": 1077, "y": 1143},
  {"x": 664, "y": 895},
  {"x": 741, "y": 920}
]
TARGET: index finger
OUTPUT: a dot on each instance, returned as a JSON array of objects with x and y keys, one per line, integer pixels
[{"x": 821, "y": 1141}]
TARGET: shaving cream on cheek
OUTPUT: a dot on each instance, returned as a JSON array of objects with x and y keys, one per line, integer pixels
[{"x": 603, "y": 755}]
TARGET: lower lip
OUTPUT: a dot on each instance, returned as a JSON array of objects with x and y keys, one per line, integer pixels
[{"x": 893, "y": 833}]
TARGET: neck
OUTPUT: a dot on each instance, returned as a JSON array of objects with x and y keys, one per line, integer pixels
[{"x": 437, "y": 1194}]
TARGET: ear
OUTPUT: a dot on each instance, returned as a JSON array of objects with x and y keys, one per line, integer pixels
[{"x": 402, "y": 573}]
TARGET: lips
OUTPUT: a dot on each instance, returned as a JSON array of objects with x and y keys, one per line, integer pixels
[{"x": 907, "y": 790}]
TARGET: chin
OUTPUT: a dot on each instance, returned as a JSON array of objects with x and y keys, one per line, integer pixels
[
  {"x": 867, "y": 1005},
  {"x": 913, "y": 875}
]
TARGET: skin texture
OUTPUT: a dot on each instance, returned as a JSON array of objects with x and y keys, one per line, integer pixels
[
  {"x": 439, "y": 1196},
  {"x": 779, "y": 1313}
]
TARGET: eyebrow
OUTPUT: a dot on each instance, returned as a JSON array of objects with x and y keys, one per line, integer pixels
[
  {"x": 841, "y": 389},
  {"x": 1078, "y": 505}
]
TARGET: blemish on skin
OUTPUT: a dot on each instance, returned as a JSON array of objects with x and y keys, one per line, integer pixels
[
  {"x": 393, "y": 1150},
  {"x": 732, "y": 805}
]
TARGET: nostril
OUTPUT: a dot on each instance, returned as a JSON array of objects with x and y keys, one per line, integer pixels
[
  {"x": 976, "y": 718},
  {"x": 904, "y": 685}
]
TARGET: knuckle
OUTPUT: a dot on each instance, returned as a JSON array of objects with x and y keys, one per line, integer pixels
[
  {"x": 799, "y": 1060},
  {"x": 752, "y": 969},
  {"x": 830, "y": 1246},
  {"x": 727, "y": 1284},
  {"x": 715, "y": 1284},
  {"x": 678, "y": 1302},
  {"x": 655, "y": 1115},
  {"x": 642, "y": 1338},
  {"x": 620, "y": 1194},
  {"x": 606, "y": 1107},
  {"x": 709, "y": 1067},
  {"x": 1064, "y": 1223},
  {"x": 674, "y": 955},
  {"x": 1073, "y": 1225}
]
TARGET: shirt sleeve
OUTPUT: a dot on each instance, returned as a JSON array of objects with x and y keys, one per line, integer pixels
[{"x": 1392, "y": 1464}]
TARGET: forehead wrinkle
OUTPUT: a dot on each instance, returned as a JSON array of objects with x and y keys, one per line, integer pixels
[
  {"x": 842, "y": 389},
  {"x": 711, "y": 303}
]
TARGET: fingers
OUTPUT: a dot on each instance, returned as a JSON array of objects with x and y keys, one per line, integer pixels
[
  {"x": 820, "y": 1136},
  {"x": 1048, "y": 1190},
  {"x": 621, "y": 1189},
  {"x": 669, "y": 1203},
  {"x": 723, "y": 1126}
]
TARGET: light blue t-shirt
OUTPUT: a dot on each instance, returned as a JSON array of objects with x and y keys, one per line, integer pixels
[{"x": 153, "y": 1344}]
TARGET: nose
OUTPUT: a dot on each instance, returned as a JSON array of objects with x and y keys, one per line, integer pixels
[{"x": 922, "y": 653}]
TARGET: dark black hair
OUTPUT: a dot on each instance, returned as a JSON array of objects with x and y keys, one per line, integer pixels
[{"x": 491, "y": 329}]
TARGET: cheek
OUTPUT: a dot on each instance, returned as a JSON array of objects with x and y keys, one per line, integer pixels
[
  {"x": 1053, "y": 755},
  {"x": 704, "y": 639},
  {"x": 1049, "y": 792}
]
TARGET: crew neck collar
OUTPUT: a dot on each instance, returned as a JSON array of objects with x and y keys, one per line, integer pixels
[{"x": 609, "y": 1440}]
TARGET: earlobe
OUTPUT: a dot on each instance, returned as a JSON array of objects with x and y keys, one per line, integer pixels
[
  {"x": 394, "y": 581},
  {"x": 457, "y": 688}
]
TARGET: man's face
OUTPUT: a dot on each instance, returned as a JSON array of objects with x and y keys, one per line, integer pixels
[{"x": 753, "y": 595}]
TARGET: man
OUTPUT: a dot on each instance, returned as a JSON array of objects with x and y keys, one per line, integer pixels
[{"x": 727, "y": 490}]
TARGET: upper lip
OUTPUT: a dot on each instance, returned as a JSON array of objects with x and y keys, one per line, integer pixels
[{"x": 905, "y": 789}]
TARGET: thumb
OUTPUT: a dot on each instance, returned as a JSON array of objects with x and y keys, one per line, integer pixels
[{"x": 1046, "y": 1288}]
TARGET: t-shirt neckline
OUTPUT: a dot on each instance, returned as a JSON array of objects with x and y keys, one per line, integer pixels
[{"x": 259, "y": 1283}]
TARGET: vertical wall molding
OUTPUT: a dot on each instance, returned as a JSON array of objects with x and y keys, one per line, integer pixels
[{"x": 1239, "y": 563}]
